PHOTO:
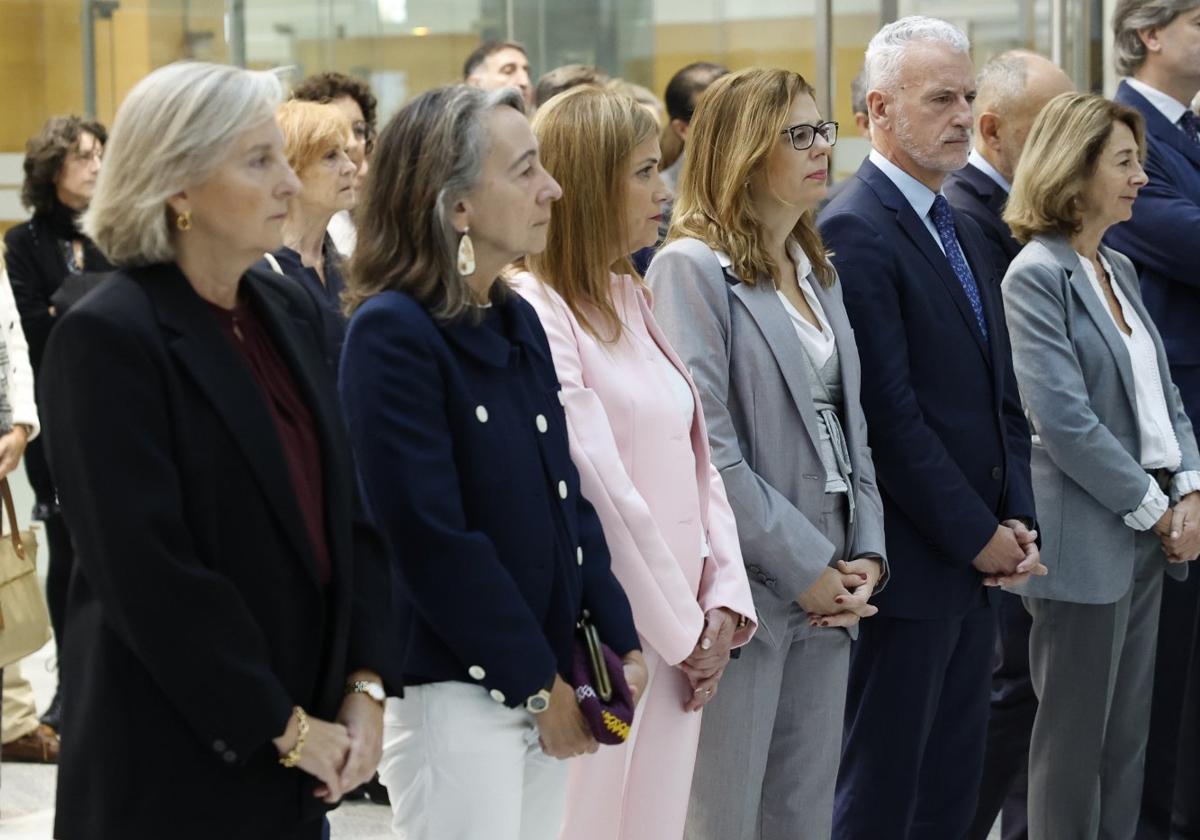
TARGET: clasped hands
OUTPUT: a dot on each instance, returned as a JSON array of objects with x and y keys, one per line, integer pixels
[
  {"x": 1179, "y": 530},
  {"x": 1010, "y": 556},
  {"x": 840, "y": 595},
  {"x": 706, "y": 663},
  {"x": 341, "y": 754}
]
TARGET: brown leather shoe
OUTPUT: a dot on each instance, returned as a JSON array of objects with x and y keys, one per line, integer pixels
[{"x": 38, "y": 747}]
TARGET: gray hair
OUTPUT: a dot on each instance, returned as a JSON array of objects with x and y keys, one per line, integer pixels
[
  {"x": 1133, "y": 16},
  {"x": 858, "y": 93},
  {"x": 887, "y": 48},
  {"x": 173, "y": 130},
  {"x": 428, "y": 157},
  {"x": 1001, "y": 81}
]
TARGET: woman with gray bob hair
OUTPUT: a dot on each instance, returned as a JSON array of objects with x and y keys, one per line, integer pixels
[
  {"x": 452, "y": 400},
  {"x": 226, "y": 596}
]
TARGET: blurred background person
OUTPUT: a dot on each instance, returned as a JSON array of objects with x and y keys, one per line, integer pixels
[
  {"x": 500, "y": 64},
  {"x": 565, "y": 78},
  {"x": 1114, "y": 461},
  {"x": 862, "y": 125},
  {"x": 1156, "y": 50},
  {"x": 1010, "y": 90},
  {"x": 61, "y": 165},
  {"x": 226, "y": 597},
  {"x": 745, "y": 291},
  {"x": 682, "y": 93},
  {"x": 316, "y": 140},
  {"x": 448, "y": 385},
  {"x": 638, "y": 439},
  {"x": 24, "y": 737},
  {"x": 353, "y": 98},
  {"x": 644, "y": 97}
]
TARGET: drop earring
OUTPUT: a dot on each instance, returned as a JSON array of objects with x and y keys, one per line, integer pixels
[{"x": 466, "y": 255}]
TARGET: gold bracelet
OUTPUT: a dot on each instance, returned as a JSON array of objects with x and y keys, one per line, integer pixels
[{"x": 292, "y": 757}]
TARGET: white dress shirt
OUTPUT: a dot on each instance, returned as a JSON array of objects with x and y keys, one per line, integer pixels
[
  {"x": 343, "y": 233},
  {"x": 984, "y": 165},
  {"x": 1165, "y": 104},
  {"x": 1158, "y": 444}
]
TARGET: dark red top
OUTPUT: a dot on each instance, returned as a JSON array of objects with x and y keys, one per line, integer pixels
[{"x": 293, "y": 421}]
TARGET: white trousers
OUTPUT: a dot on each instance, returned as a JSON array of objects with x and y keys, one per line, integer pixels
[{"x": 460, "y": 766}]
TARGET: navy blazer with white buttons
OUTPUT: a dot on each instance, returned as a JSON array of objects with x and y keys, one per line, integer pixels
[{"x": 462, "y": 449}]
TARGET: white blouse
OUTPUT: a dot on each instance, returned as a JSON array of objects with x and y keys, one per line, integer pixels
[
  {"x": 20, "y": 373},
  {"x": 1159, "y": 446},
  {"x": 818, "y": 342}
]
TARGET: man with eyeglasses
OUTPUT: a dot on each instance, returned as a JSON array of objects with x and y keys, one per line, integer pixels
[{"x": 950, "y": 444}]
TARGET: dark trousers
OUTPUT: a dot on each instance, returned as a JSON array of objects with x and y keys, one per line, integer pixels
[
  {"x": 916, "y": 724},
  {"x": 1004, "y": 788},
  {"x": 1170, "y": 794}
]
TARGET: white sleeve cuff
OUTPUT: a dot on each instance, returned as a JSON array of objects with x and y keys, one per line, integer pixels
[
  {"x": 1183, "y": 483},
  {"x": 1154, "y": 505}
]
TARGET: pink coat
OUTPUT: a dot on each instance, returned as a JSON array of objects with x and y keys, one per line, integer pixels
[{"x": 673, "y": 542}]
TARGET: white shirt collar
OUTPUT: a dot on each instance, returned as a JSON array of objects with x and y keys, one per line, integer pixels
[
  {"x": 917, "y": 194},
  {"x": 1168, "y": 106},
  {"x": 803, "y": 263},
  {"x": 983, "y": 165}
]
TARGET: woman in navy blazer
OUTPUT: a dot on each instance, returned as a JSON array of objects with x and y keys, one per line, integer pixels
[{"x": 452, "y": 401}]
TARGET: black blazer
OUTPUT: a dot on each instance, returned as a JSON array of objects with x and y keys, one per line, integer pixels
[
  {"x": 949, "y": 440},
  {"x": 462, "y": 443},
  {"x": 197, "y": 618},
  {"x": 972, "y": 192}
]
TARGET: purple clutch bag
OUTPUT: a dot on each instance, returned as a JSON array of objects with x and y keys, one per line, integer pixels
[{"x": 598, "y": 676}]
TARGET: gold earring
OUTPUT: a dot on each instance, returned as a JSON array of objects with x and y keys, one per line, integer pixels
[
  {"x": 184, "y": 220},
  {"x": 466, "y": 255}
]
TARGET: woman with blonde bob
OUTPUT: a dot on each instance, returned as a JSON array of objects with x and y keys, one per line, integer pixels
[
  {"x": 745, "y": 291},
  {"x": 1115, "y": 466},
  {"x": 316, "y": 141},
  {"x": 638, "y": 439},
  {"x": 226, "y": 597}
]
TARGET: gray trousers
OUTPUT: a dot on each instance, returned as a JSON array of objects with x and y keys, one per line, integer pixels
[
  {"x": 1093, "y": 669},
  {"x": 771, "y": 739}
]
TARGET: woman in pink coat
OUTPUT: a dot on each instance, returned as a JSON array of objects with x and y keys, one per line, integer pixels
[{"x": 638, "y": 438}]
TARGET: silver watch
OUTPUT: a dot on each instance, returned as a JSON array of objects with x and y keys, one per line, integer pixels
[{"x": 538, "y": 703}]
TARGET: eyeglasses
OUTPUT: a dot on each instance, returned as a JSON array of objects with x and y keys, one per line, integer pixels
[{"x": 804, "y": 135}]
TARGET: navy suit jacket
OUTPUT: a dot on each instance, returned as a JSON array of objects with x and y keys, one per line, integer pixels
[
  {"x": 949, "y": 440},
  {"x": 972, "y": 192},
  {"x": 1161, "y": 240},
  {"x": 464, "y": 463}
]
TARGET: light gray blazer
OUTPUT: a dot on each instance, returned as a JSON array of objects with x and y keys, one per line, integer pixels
[
  {"x": 1077, "y": 384},
  {"x": 743, "y": 353}
]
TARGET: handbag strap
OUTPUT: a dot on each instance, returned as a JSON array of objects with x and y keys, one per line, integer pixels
[{"x": 11, "y": 510}]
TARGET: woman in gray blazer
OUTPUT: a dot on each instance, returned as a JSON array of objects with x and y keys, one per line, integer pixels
[
  {"x": 1114, "y": 467},
  {"x": 747, "y": 296}
]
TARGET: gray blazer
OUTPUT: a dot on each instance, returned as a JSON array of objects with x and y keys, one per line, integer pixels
[
  {"x": 1077, "y": 384},
  {"x": 745, "y": 358}
]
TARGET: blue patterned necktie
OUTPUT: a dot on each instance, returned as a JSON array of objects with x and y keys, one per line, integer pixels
[
  {"x": 1190, "y": 126},
  {"x": 943, "y": 220}
]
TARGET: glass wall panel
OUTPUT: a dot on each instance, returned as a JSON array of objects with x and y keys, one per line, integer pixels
[{"x": 404, "y": 47}]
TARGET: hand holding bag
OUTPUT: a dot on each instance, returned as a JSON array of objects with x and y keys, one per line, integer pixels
[
  {"x": 603, "y": 694},
  {"x": 24, "y": 619}
]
